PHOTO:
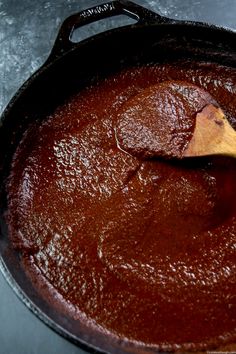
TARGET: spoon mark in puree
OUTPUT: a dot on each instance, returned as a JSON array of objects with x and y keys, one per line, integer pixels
[{"x": 160, "y": 121}]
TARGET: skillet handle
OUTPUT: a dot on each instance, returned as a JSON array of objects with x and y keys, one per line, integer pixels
[{"x": 63, "y": 41}]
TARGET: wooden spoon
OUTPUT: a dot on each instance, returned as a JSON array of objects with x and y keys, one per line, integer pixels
[
  {"x": 213, "y": 135},
  {"x": 162, "y": 121}
]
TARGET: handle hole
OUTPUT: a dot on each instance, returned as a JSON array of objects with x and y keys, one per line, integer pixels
[{"x": 100, "y": 26}]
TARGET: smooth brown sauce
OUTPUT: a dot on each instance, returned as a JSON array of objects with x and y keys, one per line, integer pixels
[{"x": 144, "y": 247}]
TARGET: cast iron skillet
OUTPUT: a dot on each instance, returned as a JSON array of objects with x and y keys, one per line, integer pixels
[{"x": 69, "y": 68}]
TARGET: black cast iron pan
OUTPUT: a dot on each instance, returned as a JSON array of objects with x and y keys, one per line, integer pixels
[{"x": 69, "y": 68}]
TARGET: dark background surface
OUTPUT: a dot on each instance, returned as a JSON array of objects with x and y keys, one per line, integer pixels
[{"x": 27, "y": 32}]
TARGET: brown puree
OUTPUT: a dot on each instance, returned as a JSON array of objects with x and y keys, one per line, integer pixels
[{"x": 145, "y": 247}]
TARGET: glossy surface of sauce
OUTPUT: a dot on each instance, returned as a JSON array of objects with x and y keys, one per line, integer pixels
[{"x": 145, "y": 247}]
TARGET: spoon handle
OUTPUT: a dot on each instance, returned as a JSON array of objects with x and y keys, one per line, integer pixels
[{"x": 213, "y": 135}]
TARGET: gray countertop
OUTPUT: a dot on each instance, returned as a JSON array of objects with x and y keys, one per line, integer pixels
[{"x": 27, "y": 32}]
